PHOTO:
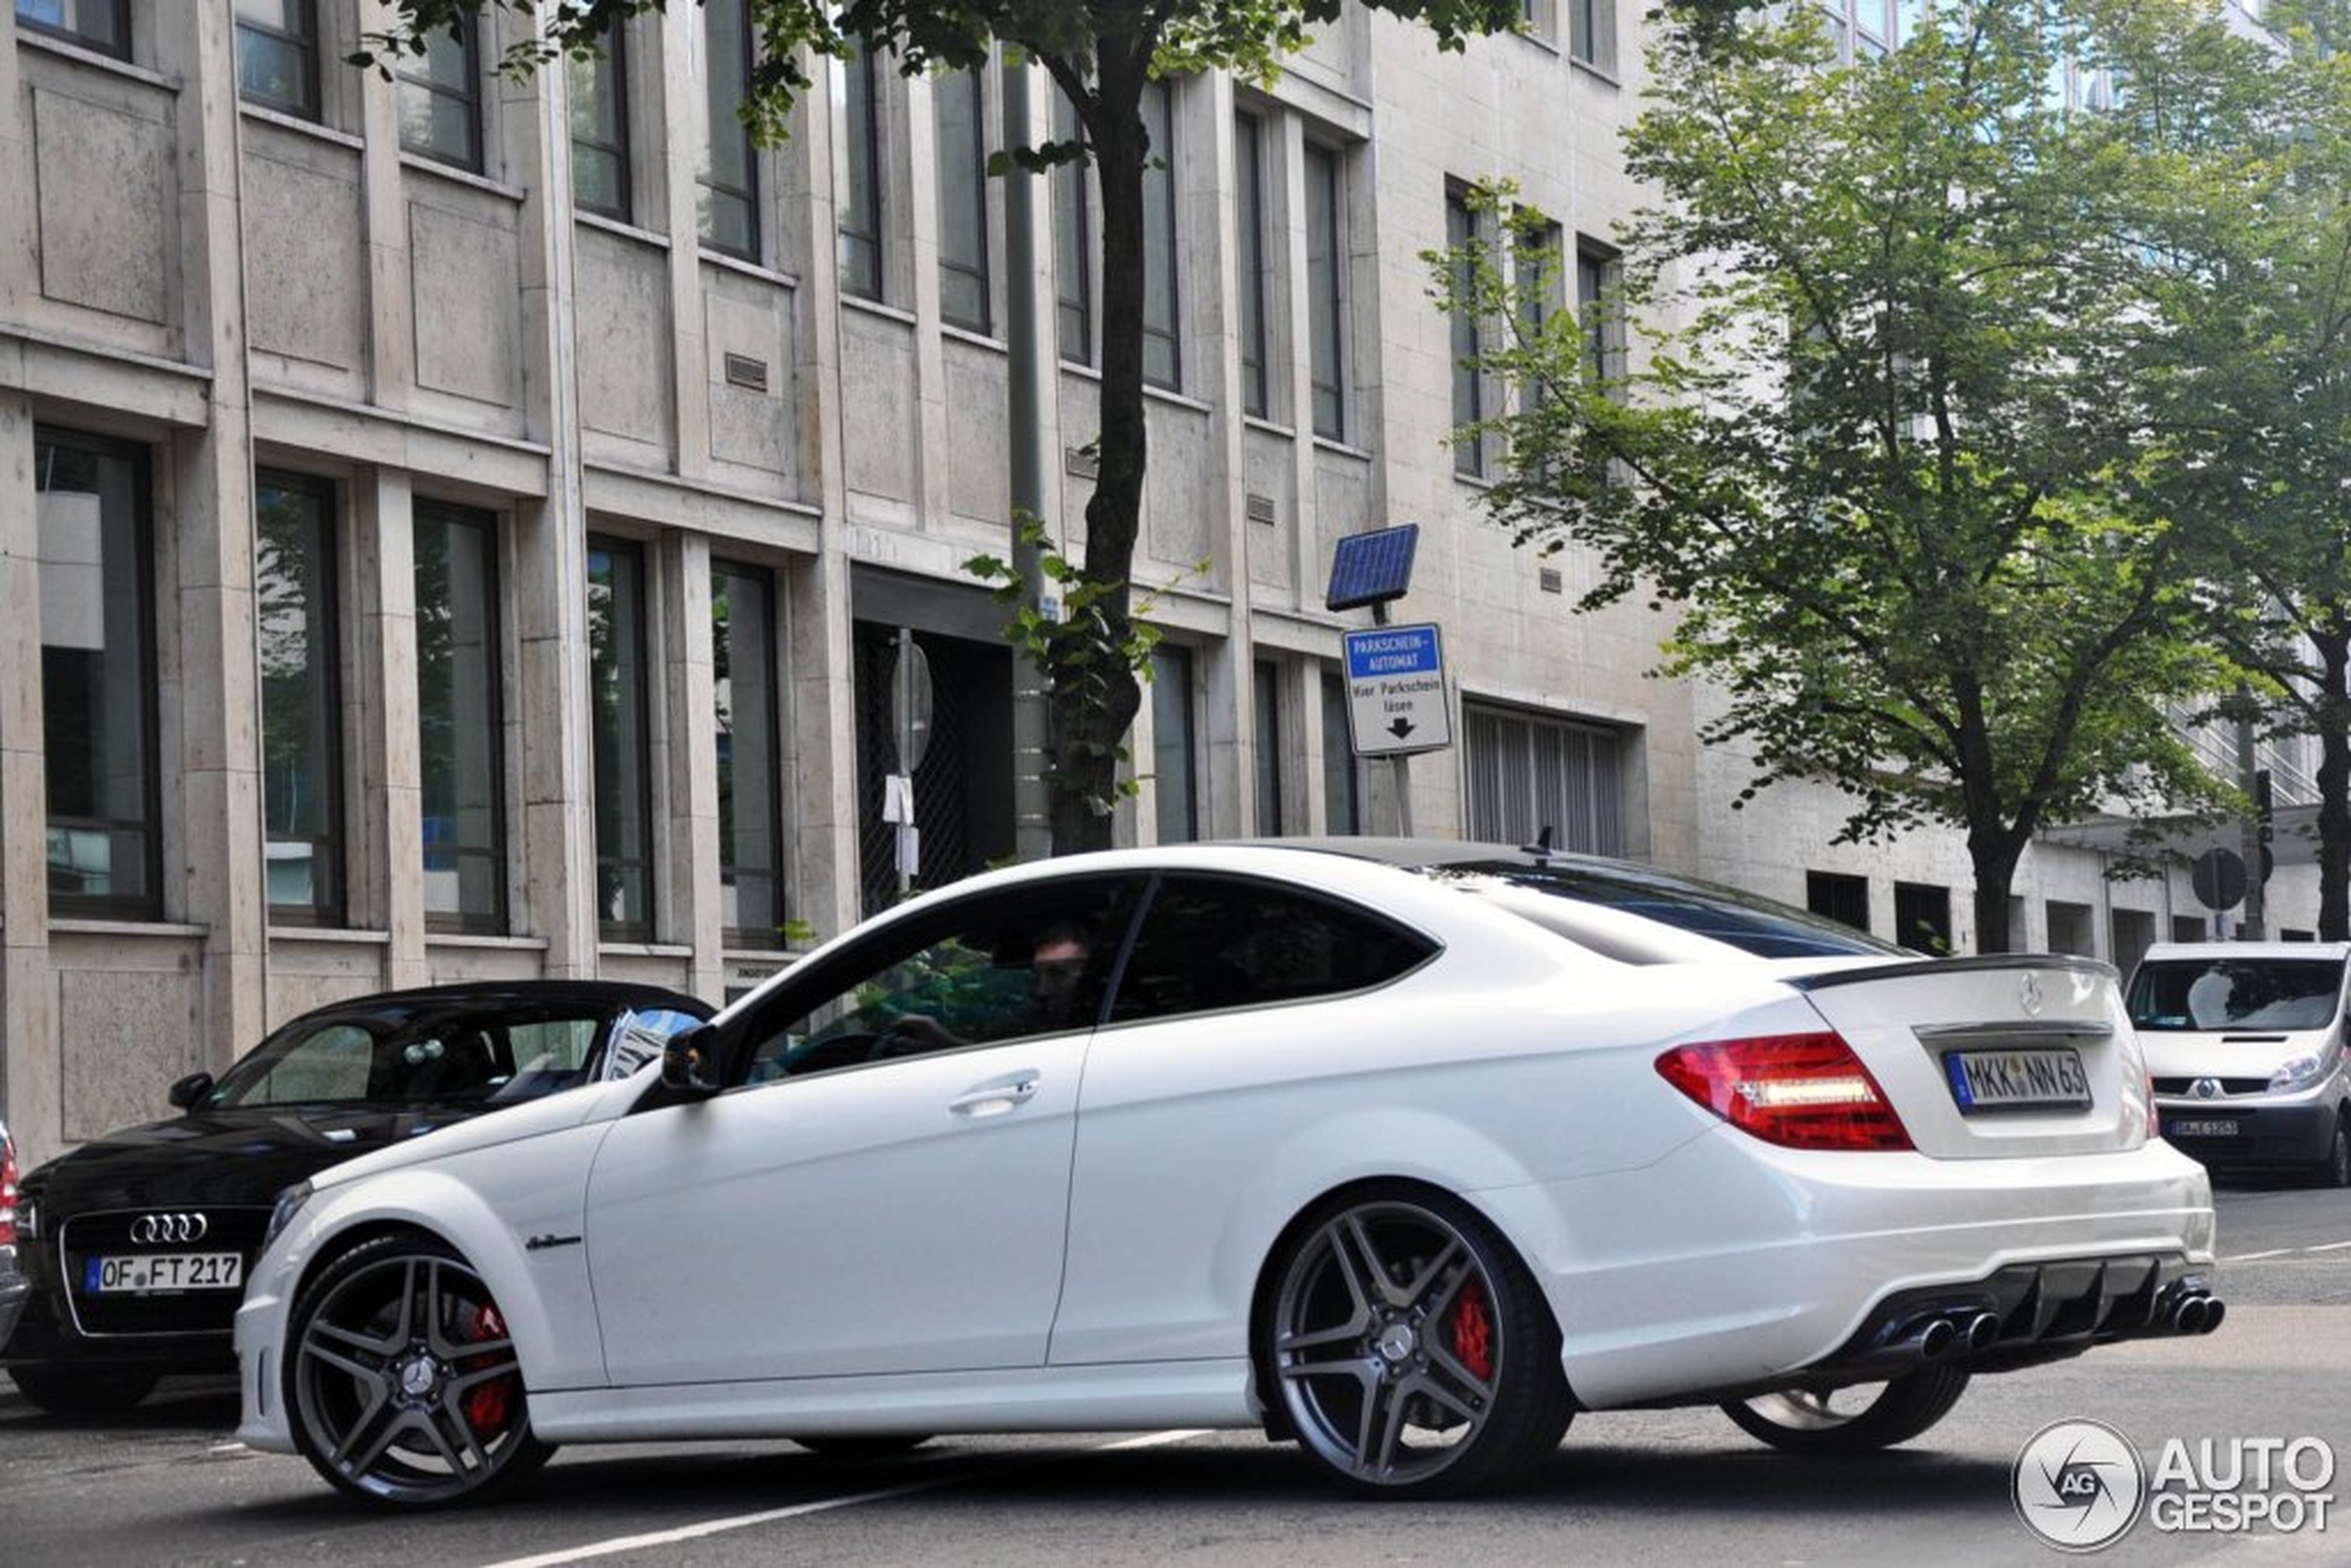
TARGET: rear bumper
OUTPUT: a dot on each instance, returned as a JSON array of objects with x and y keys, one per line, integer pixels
[
  {"x": 1775, "y": 1265},
  {"x": 2256, "y": 1134}
]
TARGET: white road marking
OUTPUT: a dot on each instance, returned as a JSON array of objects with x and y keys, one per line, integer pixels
[
  {"x": 745, "y": 1521},
  {"x": 2256, "y": 1257},
  {"x": 2328, "y": 1247}
]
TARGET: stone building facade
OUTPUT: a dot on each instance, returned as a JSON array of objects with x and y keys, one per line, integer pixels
[{"x": 457, "y": 527}]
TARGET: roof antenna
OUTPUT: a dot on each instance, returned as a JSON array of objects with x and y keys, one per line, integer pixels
[{"x": 1542, "y": 844}]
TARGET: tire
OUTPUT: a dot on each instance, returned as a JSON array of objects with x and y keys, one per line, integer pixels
[
  {"x": 885, "y": 1446},
  {"x": 2335, "y": 1169},
  {"x": 1412, "y": 1351},
  {"x": 82, "y": 1394},
  {"x": 401, "y": 1385},
  {"x": 1859, "y": 1419}
]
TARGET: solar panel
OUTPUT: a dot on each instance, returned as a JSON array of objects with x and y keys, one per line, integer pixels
[{"x": 1372, "y": 568}]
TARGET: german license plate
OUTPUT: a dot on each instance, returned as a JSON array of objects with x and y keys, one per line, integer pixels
[
  {"x": 163, "y": 1271},
  {"x": 2199, "y": 1129},
  {"x": 2018, "y": 1080}
]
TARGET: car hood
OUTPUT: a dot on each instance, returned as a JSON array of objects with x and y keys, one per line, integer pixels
[
  {"x": 228, "y": 1156},
  {"x": 2226, "y": 1053},
  {"x": 532, "y": 1118}
]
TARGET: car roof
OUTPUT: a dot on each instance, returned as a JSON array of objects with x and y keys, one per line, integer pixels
[{"x": 472, "y": 995}]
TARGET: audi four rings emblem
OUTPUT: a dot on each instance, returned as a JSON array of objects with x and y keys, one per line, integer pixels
[{"x": 149, "y": 1230}]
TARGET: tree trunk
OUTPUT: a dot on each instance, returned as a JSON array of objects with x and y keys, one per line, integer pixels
[
  {"x": 2334, "y": 646},
  {"x": 1093, "y": 707},
  {"x": 1995, "y": 874}
]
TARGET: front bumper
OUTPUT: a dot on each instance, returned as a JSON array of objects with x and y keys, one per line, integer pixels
[
  {"x": 2232, "y": 1133},
  {"x": 1736, "y": 1265}
]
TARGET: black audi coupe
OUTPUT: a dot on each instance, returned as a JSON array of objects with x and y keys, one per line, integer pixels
[{"x": 136, "y": 1245}]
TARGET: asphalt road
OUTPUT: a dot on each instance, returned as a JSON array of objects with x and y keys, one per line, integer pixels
[{"x": 171, "y": 1486}]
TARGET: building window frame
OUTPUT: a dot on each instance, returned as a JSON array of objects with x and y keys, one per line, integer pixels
[
  {"x": 1251, "y": 264},
  {"x": 1464, "y": 230},
  {"x": 760, "y": 719},
  {"x": 1838, "y": 895},
  {"x": 121, "y": 611},
  {"x": 620, "y": 723},
  {"x": 481, "y": 905},
  {"x": 1175, "y": 766},
  {"x": 1072, "y": 241},
  {"x": 1163, "y": 291},
  {"x": 1599, "y": 314},
  {"x": 303, "y": 791},
  {"x": 859, "y": 221},
  {"x": 100, "y": 25},
  {"x": 959, "y": 112},
  {"x": 1591, "y": 33},
  {"x": 424, "y": 84},
  {"x": 1327, "y": 287},
  {"x": 289, "y": 42},
  {"x": 1532, "y": 762},
  {"x": 731, "y": 191},
  {"x": 1266, "y": 689},
  {"x": 598, "y": 85}
]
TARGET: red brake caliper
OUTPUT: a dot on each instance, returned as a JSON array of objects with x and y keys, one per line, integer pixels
[
  {"x": 1474, "y": 1331},
  {"x": 487, "y": 1407}
]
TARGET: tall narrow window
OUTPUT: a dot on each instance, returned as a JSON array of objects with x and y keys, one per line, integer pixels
[
  {"x": 101, "y": 24},
  {"x": 1162, "y": 354},
  {"x": 1072, "y": 243},
  {"x": 1535, "y": 267},
  {"x": 962, "y": 200},
  {"x": 1463, "y": 231},
  {"x": 295, "y": 624},
  {"x": 619, "y": 738},
  {"x": 278, "y": 55},
  {"x": 460, "y": 718},
  {"x": 1342, "y": 802},
  {"x": 728, "y": 184},
  {"x": 1596, "y": 277},
  {"x": 97, "y": 676},
  {"x": 440, "y": 95},
  {"x": 751, "y": 857},
  {"x": 1172, "y": 744},
  {"x": 1326, "y": 291},
  {"x": 1267, "y": 676},
  {"x": 1591, "y": 33},
  {"x": 1249, "y": 159},
  {"x": 599, "y": 93},
  {"x": 861, "y": 207}
]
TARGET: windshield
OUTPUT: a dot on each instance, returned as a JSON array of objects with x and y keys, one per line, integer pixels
[
  {"x": 2236, "y": 993},
  {"x": 409, "y": 1056},
  {"x": 1643, "y": 916}
]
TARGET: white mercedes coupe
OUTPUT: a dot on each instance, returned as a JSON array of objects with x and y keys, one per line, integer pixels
[{"x": 1405, "y": 1152}]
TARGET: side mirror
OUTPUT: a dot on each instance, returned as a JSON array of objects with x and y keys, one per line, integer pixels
[
  {"x": 688, "y": 1061},
  {"x": 185, "y": 1094}
]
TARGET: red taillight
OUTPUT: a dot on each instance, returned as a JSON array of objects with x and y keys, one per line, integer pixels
[
  {"x": 7, "y": 1193},
  {"x": 1805, "y": 1091}
]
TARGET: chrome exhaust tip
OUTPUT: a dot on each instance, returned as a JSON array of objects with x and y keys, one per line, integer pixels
[
  {"x": 2189, "y": 1316},
  {"x": 1935, "y": 1337},
  {"x": 2215, "y": 1310},
  {"x": 1982, "y": 1329}
]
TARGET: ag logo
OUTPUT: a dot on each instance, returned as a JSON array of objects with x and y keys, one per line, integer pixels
[{"x": 2079, "y": 1484}]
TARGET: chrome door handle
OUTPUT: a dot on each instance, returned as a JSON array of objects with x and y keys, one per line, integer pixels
[{"x": 991, "y": 1100}]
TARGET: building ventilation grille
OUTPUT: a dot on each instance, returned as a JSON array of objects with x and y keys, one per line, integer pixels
[
  {"x": 1549, "y": 579},
  {"x": 1260, "y": 508},
  {"x": 1081, "y": 462},
  {"x": 746, "y": 372}
]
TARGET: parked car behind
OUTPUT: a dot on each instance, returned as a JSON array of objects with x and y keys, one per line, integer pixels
[
  {"x": 1406, "y": 1151},
  {"x": 136, "y": 1246},
  {"x": 2245, "y": 1041},
  {"x": 14, "y": 1286}
]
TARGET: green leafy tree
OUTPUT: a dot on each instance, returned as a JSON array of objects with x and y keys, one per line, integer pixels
[
  {"x": 1880, "y": 450},
  {"x": 1102, "y": 54},
  {"x": 2252, "y": 391}
]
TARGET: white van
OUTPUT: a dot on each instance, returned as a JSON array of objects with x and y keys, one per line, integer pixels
[{"x": 2245, "y": 1041}]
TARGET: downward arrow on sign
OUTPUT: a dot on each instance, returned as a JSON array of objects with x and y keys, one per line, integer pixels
[{"x": 1400, "y": 729}]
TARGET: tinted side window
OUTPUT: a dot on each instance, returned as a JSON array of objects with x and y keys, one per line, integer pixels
[
  {"x": 998, "y": 966},
  {"x": 1211, "y": 943}
]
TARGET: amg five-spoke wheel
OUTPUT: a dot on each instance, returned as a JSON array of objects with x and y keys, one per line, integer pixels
[
  {"x": 1413, "y": 1353},
  {"x": 404, "y": 1384}
]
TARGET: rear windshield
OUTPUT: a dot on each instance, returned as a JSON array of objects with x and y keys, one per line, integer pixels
[
  {"x": 1639, "y": 915},
  {"x": 2236, "y": 993}
]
